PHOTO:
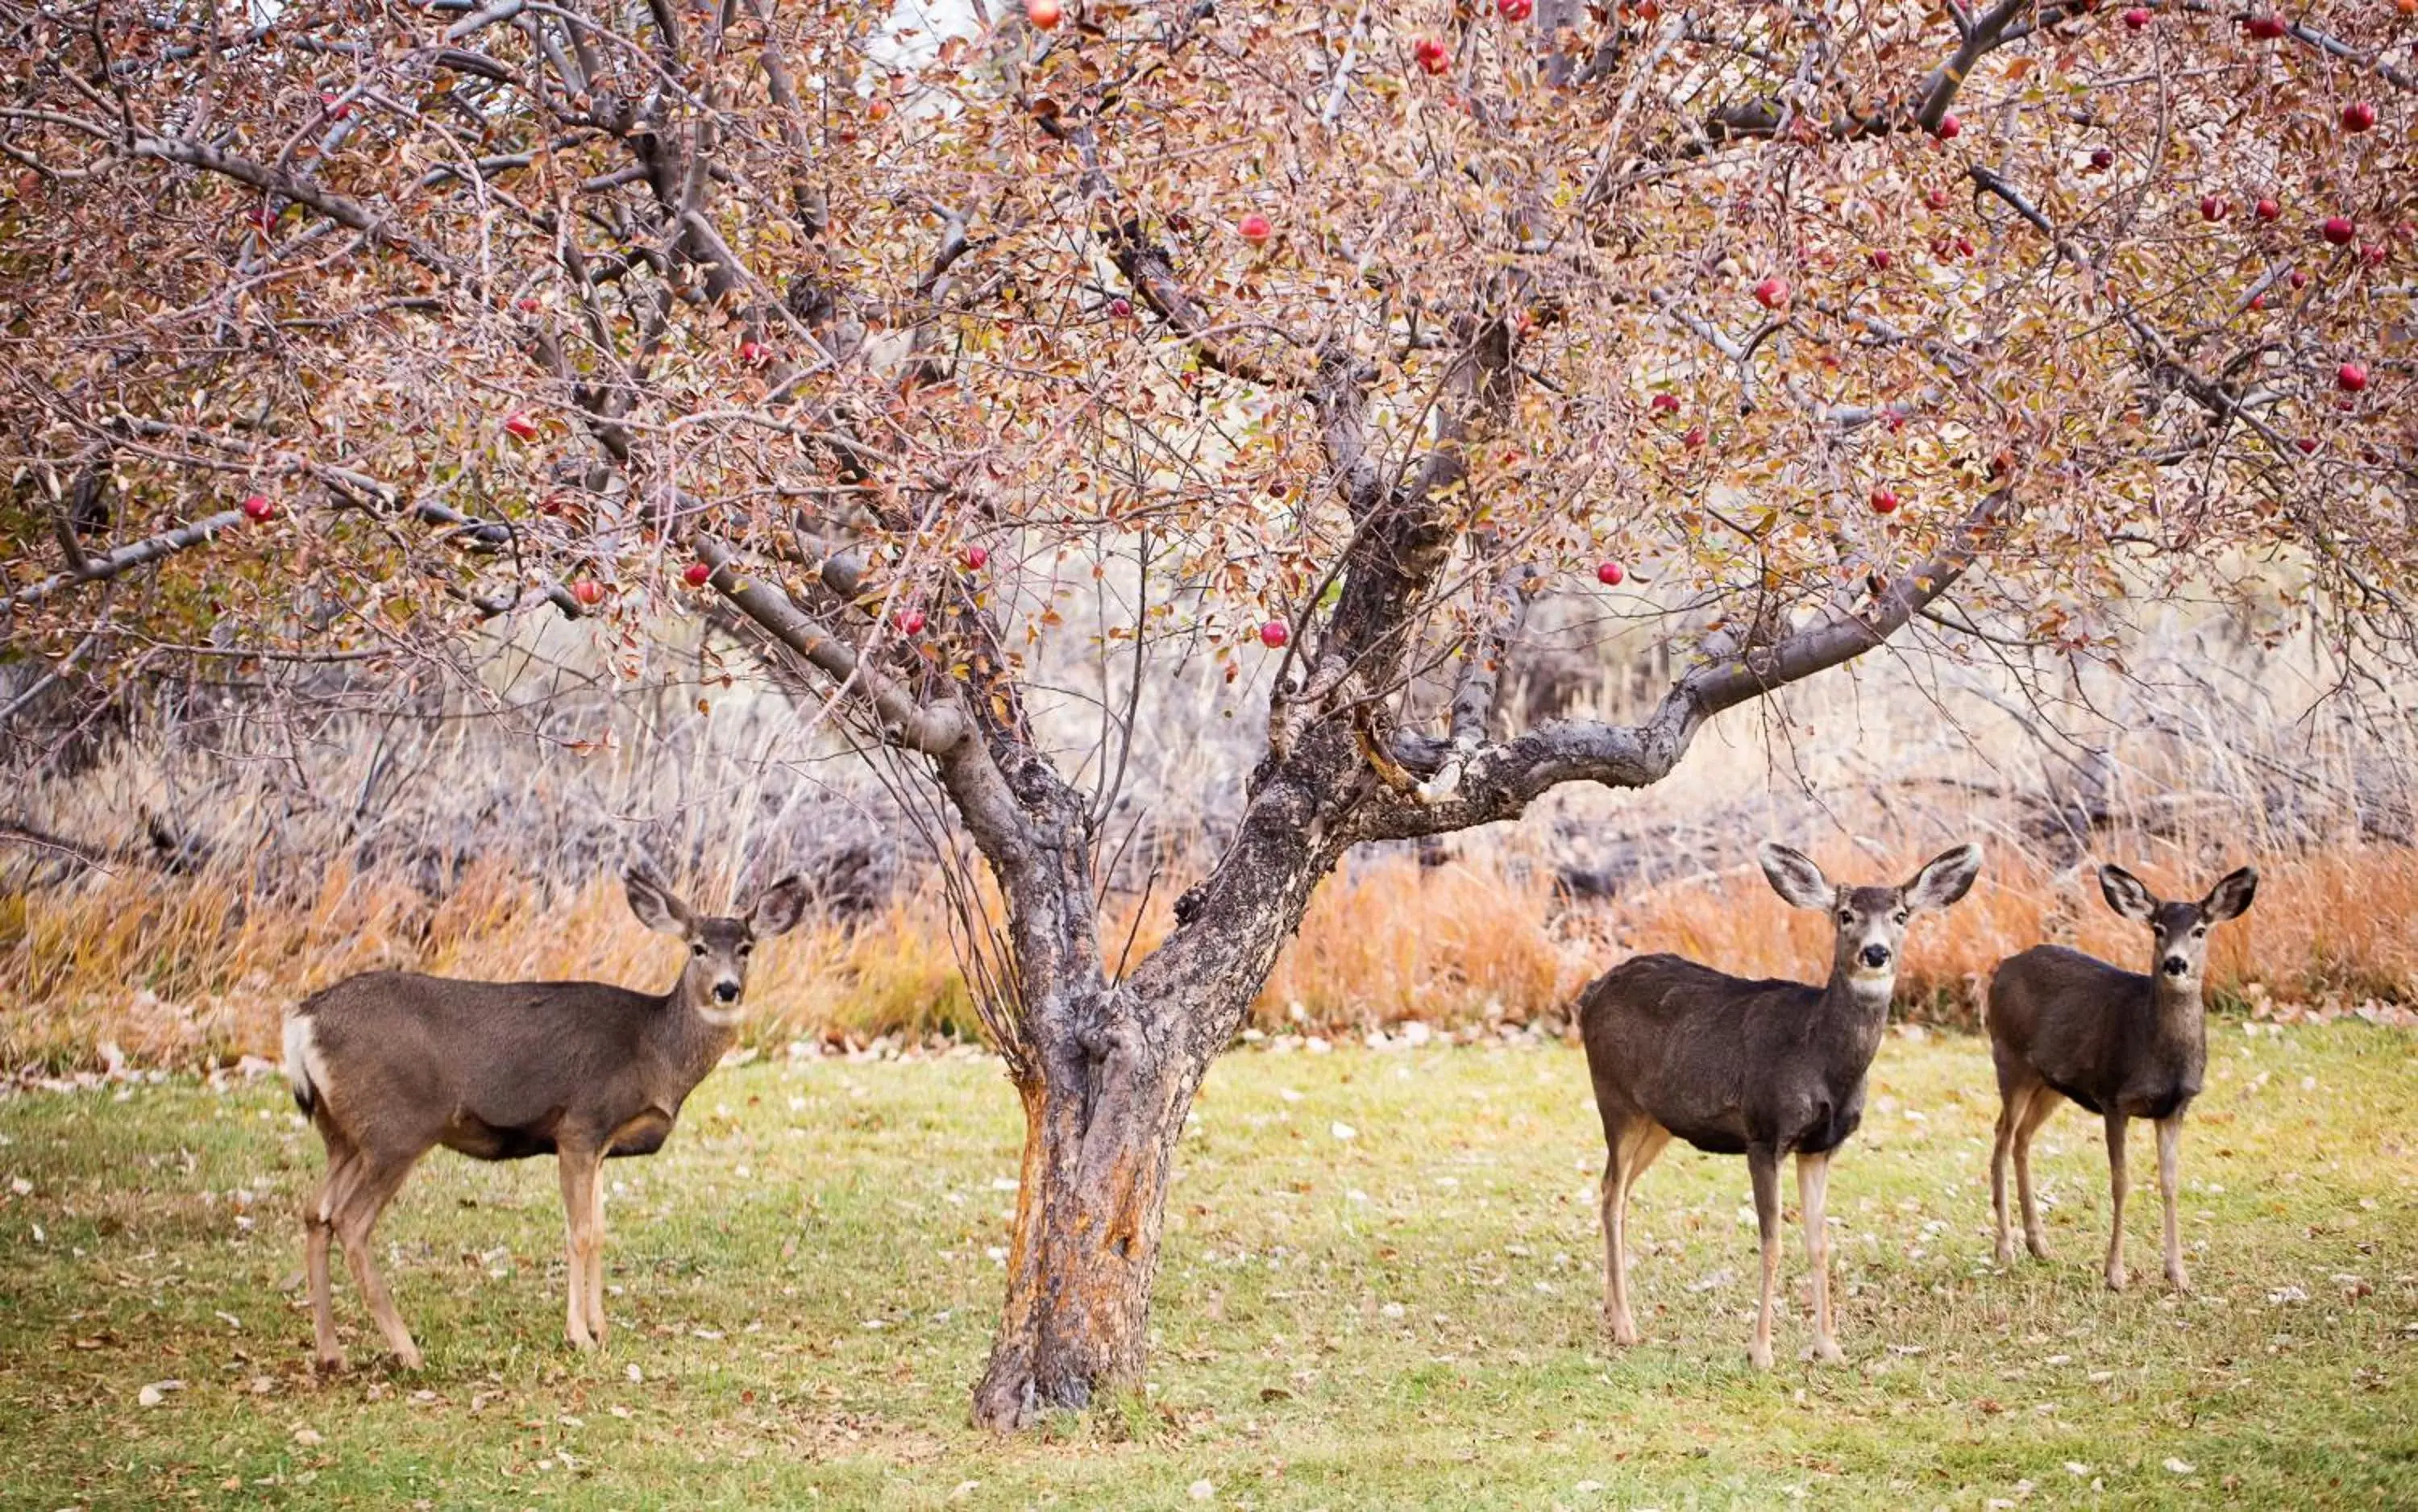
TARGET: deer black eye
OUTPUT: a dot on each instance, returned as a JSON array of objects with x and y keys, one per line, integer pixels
[
  {"x": 1901, "y": 916},
  {"x": 744, "y": 950},
  {"x": 2199, "y": 931},
  {"x": 697, "y": 951},
  {"x": 1846, "y": 916}
]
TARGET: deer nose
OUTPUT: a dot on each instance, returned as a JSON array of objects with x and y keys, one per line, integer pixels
[
  {"x": 1876, "y": 957},
  {"x": 727, "y": 991},
  {"x": 2175, "y": 966}
]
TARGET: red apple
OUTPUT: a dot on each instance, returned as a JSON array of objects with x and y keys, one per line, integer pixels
[
  {"x": 1433, "y": 56},
  {"x": 880, "y": 109},
  {"x": 1694, "y": 438},
  {"x": 697, "y": 574},
  {"x": 1664, "y": 404},
  {"x": 1949, "y": 127},
  {"x": 2137, "y": 17},
  {"x": 754, "y": 353},
  {"x": 2259, "y": 301},
  {"x": 259, "y": 507},
  {"x": 2351, "y": 377},
  {"x": 1937, "y": 198},
  {"x": 2299, "y": 279},
  {"x": 520, "y": 426},
  {"x": 589, "y": 592},
  {"x": 1610, "y": 573},
  {"x": 525, "y": 304},
  {"x": 1884, "y": 501},
  {"x": 1964, "y": 246},
  {"x": 1273, "y": 635},
  {"x": 1879, "y": 258},
  {"x": 2212, "y": 208},
  {"x": 2338, "y": 230},
  {"x": 2267, "y": 208},
  {"x": 1121, "y": 308},
  {"x": 2266, "y": 26},
  {"x": 334, "y": 105},
  {"x": 1043, "y": 13},
  {"x": 2308, "y": 445},
  {"x": 2370, "y": 254},
  {"x": 911, "y": 621},
  {"x": 2103, "y": 158},
  {"x": 1772, "y": 294},
  {"x": 1516, "y": 11},
  {"x": 975, "y": 558},
  {"x": 2358, "y": 117},
  {"x": 1255, "y": 229}
]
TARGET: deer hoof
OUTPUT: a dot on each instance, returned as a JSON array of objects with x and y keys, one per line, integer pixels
[
  {"x": 2116, "y": 1278},
  {"x": 580, "y": 1340},
  {"x": 331, "y": 1362},
  {"x": 1624, "y": 1333},
  {"x": 2178, "y": 1278},
  {"x": 2006, "y": 1252},
  {"x": 2038, "y": 1246},
  {"x": 1826, "y": 1352},
  {"x": 1759, "y": 1355}
]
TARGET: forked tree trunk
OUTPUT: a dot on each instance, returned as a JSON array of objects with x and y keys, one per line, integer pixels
[{"x": 1107, "y": 1074}]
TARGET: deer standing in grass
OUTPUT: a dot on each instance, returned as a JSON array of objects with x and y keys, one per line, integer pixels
[
  {"x": 2124, "y": 1046},
  {"x": 390, "y": 1064},
  {"x": 1756, "y": 1068}
]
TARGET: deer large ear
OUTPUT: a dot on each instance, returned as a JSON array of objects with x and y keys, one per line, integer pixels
[
  {"x": 1945, "y": 877},
  {"x": 778, "y": 908},
  {"x": 2126, "y": 894},
  {"x": 1794, "y": 876},
  {"x": 656, "y": 905},
  {"x": 2230, "y": 898}
]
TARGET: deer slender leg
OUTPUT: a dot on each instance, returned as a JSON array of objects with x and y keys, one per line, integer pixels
[
  {"x": 318, "y": 1228},
  {"x": 579, "y": 1169},
  {"x": 1813, "y": 1188},
  {"x": 2170, "y": 1134},
  {"x": 596, "y": 1254},
  {"x": 2012, "y": 1100},
  {"x": 379, "y": 1177},
  {"x": 1636, "y": 1147},
  {"x": 2116, "y": 1201},
  {"x": 2042, "y": 1103},
  {"x": 1763, "y": 1165}
]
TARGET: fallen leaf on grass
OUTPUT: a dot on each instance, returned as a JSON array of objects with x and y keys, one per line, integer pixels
[{"x": 156, "y": 1393}]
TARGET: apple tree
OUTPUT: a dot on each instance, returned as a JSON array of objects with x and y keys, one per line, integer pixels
[{"x": 1336, "y": 334}]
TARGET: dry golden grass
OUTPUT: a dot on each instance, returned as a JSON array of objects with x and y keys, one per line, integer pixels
[{"x": 176, "y": 970}]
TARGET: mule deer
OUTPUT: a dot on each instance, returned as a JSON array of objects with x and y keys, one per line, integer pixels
[
  {"x": 2124, "y": 1046},
  {"x": 1754, "y": 1068},
  {"x": 389, "y": 1064}
]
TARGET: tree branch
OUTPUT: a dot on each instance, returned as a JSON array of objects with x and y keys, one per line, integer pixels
[{"x": 1501, "y": 781}]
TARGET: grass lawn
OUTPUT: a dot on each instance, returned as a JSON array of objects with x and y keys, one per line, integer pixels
[{"x": 1381, "y": 1289}]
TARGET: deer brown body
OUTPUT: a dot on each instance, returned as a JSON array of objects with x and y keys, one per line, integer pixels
[
  {"x": 2066, "y": 1026},
  {"x": 1762, "y": 1069},
  {"x": 390, "y": 1064}
]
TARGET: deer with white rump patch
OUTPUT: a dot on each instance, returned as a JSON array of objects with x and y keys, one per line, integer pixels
[
  {"x": 1761, "y": 1069},
  {"x": 2124, "y": 1046},
  {"x": 390, "y": 1065}
]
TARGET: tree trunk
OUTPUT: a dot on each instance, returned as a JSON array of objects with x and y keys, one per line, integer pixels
[
  {"x": 1099, "y": 1141},
  {"x": 1107, "y": 1075}
]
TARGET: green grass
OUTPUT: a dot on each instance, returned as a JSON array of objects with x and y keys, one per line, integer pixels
[{"x": 1405, "y": 1316}]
